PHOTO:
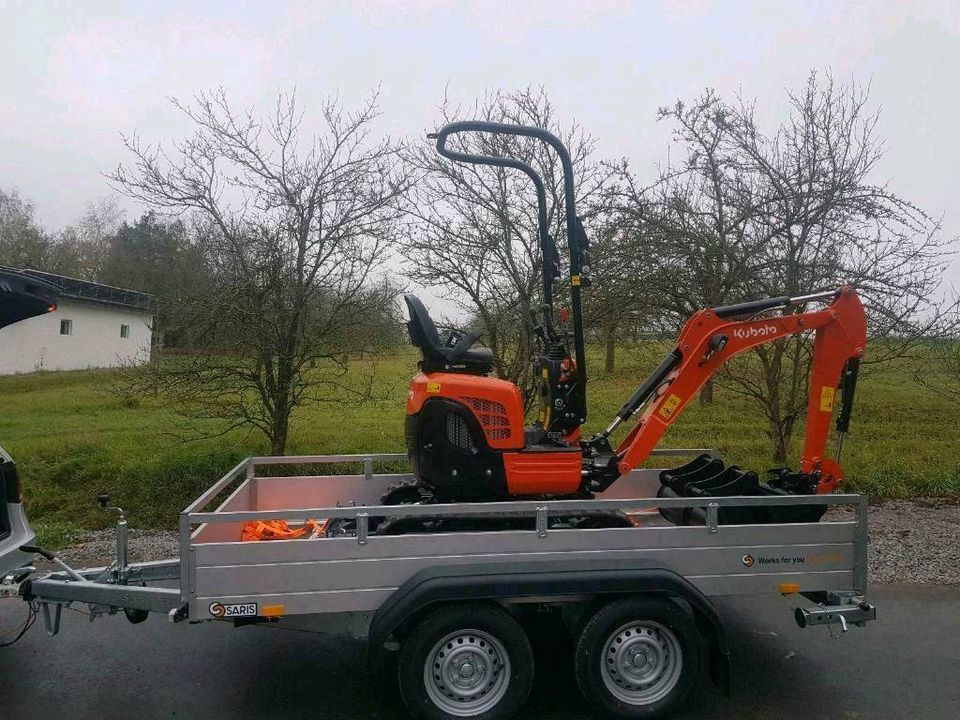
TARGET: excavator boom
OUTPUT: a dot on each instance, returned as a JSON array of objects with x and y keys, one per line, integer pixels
[{"x": 712, "y": 336}]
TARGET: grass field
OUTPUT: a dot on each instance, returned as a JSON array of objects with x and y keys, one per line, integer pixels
[{"x": 72, "y": 438}]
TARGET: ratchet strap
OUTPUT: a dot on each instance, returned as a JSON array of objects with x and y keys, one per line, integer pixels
[{"x": 281, "y": 530}]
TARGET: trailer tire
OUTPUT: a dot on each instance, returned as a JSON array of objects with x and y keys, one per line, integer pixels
[
  {"x": 136, "y": 616},
  {"x": 638, "y": 658},
  {"x": 466, "y": 661}
]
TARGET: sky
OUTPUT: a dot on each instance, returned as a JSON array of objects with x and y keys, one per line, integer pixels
[{"x": 78, "y": 74}]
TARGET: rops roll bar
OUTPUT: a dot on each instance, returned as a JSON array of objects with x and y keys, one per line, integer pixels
[
  {"x": 547, "y": 246},
  {"x": 576, "y": 238}
]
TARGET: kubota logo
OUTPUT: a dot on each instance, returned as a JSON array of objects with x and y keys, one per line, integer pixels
[{"x": 754, "y": 332}]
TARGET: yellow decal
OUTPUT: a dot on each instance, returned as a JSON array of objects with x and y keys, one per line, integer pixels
[
  {"x": 669, "y": 405},
  {"x": 546, "y": 374},
  {"x": 272, "y": 611},
  {"x": 433, "y": 387},
  {"x": 827, "y": 394},
  {"x": 575, "y": 280}
]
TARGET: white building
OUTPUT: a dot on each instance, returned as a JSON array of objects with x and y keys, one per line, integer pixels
[{"x": 93, "y": 326}]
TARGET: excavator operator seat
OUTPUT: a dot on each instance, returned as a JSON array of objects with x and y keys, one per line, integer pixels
[{"x": 453, "y": 353}]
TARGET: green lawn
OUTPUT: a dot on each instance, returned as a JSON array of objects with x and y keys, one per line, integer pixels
[{"x": 72, "y": 438}]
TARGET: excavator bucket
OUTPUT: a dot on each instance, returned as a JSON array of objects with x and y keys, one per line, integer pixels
[{"x": 705, "y": 477}]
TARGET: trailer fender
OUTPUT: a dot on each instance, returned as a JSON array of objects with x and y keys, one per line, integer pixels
[{"x": 460, "y": 583}]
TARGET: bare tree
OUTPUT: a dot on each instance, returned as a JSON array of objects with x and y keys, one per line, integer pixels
[
  {"x": 936, "y": 362},
  {"x": 85, "y": 245},
  {"x": 620, "y": 300},
  {"x": 473, "y": 228},
  {"x": 79, "y": 250},
  {"x": 693, "y": 216},
  {"x": 749, "y": 214},
  {"x": 23, "y": 242},
  {"x": 295, "y": 227}
]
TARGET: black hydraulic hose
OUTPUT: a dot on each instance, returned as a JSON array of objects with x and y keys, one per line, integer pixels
[
  {"x": 649, "y": 385},
  {"x": 848, "y": 386},
  {"x": 749, "y": 308},
  {"x": 572, "y": 222}
]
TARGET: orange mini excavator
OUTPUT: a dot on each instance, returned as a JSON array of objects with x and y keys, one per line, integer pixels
[{"x": 465, "y": 430}]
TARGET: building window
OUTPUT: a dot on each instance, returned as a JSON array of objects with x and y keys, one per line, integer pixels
[
  {"x": 66, "y": 327},
  {"x": 124, "y": 331}
]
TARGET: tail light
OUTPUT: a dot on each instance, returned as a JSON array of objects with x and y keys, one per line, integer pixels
[{"x": 10, "y": 482}]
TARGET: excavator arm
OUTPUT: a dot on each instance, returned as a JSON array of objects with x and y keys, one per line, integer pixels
[{"x": 712, "y": 336}]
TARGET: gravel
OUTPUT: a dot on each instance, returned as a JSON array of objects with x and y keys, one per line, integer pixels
[
  {"x": 911, "y": 541},
  {"x": 98, "y": 547}
]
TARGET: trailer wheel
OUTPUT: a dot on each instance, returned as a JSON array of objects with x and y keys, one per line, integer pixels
[
  {"x": 136, "y": 616},
  {"x": 466, "y": 661},
  {"x": 638, "y": 658}
]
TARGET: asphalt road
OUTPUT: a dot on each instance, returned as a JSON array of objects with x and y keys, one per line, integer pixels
[{"x": 904, "y": 665}]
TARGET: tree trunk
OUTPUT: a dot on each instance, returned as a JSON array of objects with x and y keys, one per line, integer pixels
[
  {"x": 280, "y": 423},
  {"x": 779, "y": 445},
  {"x": 611, "y": 343},
  {"x": 278, "y": 441},
  {"x": 706, "y": 392},
  {"x": 781, "y": 433}
]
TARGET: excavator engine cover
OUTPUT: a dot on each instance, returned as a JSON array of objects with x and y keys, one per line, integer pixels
[
  {"x": 466, "y": 441},
  {"x": 450, "y": 455}
]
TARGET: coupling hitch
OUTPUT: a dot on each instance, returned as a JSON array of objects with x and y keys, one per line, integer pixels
[
  {"x": 13, "y": 583},
  {"x": 118, "y": 573},
  {"x": 836, "y": 609}
]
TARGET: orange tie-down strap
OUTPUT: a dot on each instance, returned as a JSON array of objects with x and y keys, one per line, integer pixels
[{"x": 281, "y": 530}]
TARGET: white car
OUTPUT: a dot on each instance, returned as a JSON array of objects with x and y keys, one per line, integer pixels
[
  {"x": 14, "y": 529},
  {"x": 21, "y": 297}
]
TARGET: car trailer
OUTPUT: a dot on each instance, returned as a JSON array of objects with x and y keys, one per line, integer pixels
[{"x": 637, "y": 599}]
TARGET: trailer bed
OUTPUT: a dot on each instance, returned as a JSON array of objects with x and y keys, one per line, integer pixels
[{"x": 223, "y": 576}]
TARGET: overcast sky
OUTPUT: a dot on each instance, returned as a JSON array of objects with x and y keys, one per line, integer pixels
[{"x": 76, "y": 75}]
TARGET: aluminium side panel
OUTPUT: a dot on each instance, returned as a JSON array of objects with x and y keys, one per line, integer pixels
[{"x": 340, "y": 574}]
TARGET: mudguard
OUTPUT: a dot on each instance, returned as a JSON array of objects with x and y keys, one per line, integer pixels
[{"x": 460, "y": 583}]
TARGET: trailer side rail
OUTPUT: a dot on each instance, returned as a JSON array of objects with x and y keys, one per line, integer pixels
[{"x": 287, "y": 574}]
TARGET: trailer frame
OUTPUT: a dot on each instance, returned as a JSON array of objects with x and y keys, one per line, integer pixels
[
  {"x": 384, "y": 587},
  {"x": 822, "y": 560}
]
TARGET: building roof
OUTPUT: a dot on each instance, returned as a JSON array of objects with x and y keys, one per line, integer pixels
[{"x": 70, "y": 288}]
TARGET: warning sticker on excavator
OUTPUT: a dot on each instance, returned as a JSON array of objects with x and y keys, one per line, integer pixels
[
  {"x": 575, "y": 280},
  {"x": 827, "y": 394},
  {"x": 433, "y": 387},
  {"x": 669, "y": 405}
]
